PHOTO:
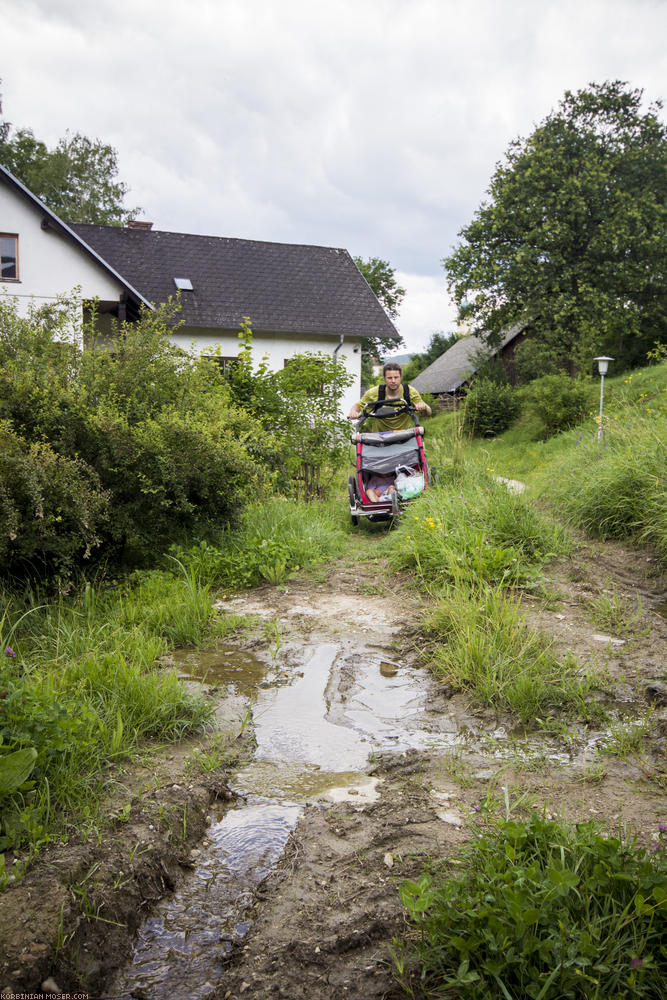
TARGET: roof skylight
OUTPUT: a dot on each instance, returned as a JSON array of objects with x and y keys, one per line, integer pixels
[{"x": 184, "y": 284}]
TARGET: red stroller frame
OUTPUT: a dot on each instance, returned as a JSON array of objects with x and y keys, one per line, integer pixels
[{"x": 382, "y": 452}]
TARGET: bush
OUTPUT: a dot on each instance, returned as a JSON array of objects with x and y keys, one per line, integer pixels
[
  {"x": 139, "y": 443},
  {"x": 490, "y": 408},
  {"x": 558, "y": 401},
  {"x": 52, "y": 508},
  {"x": 541, "y": 910}
]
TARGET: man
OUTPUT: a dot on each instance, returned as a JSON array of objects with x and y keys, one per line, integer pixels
[{"x": 393, "y": 389}]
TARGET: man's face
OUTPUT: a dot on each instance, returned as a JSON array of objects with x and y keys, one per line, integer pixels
[{"x": 392, "y": 379}]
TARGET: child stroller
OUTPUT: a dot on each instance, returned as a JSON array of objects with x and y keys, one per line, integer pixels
[{"x": 395, "y": 454}]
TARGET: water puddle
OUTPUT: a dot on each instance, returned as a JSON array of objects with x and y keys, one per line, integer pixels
[
  {"x": 182, "y": 945},
  {"x": 661, "y": 609},
  {"x": 314, "y": 738}
]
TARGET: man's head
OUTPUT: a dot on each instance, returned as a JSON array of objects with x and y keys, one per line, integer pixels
[{"x": 392, "y": 375}]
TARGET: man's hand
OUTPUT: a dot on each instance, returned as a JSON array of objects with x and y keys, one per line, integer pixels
[
  {"x": 423, "y": 407},
  {"x": 354, "y": 413}
]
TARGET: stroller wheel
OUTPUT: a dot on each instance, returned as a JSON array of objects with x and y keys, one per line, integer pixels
[
  {"x": 394, "y": 506},
  {"x": 352, "y": 491}
]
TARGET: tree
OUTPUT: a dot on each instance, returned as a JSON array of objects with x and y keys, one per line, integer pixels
[
  {"x": 381, "y": 277},
  {"x": 572, "y": 238},
  {"x": 77, "y": 179}
]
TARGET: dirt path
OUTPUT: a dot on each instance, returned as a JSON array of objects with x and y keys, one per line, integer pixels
[{"x": 322, "y": 923}]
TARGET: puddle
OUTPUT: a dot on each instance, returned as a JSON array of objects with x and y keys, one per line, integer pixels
[
  {"x": 225, "y": 665},
  {"x": 182, "y": 945},
  {"x": 661, "y": 609},
  {"x": 314, "y": 738}
]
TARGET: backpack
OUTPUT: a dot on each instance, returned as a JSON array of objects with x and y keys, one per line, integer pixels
[{"x": 382, "y": 392}]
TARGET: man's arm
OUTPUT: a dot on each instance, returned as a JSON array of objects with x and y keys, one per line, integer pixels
[{"x": 418, "y": 403}]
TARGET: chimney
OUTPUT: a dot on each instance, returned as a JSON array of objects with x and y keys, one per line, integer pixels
[{"x": 137, "y": 224}]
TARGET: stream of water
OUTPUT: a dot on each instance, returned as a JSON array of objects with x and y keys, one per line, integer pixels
[{"x": 314, "y": 738}]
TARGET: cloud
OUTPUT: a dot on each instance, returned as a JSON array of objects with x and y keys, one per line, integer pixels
[{"x": 369, "y": 124}]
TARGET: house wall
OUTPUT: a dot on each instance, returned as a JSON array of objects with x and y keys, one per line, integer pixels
[
  {"x": 48, "y": 264},
  {"x": 276, "y": 349}
]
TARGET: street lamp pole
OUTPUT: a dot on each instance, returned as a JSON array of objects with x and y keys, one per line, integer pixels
[{"x": 603, "y": 365}]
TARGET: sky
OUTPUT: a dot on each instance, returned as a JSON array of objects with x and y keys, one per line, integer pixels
[{"x": 373, "y": 125}]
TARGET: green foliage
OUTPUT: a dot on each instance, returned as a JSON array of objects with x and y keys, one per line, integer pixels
[
  {"x": 52, "y": 508},
  {"x": 141, "y": 442},
  {"x": 470, "y": 528},
  {"x": 540, "y": 910},
  {"x": 533, "y": 359},
  {"x": 299, "y": 409},
  {"x": 485, "y": 647},
  {"x": 490, "y": 407},
  {"x": 381, "y": 277},
  {"x": 570, "y": 240},
  {"x": 82, "y": 688},
  {"x": 274, "y": 540},
  {"x": 616, "y": 488},
  {"x": 77, "y": 179},
  {"x": 558, "y": 401}
]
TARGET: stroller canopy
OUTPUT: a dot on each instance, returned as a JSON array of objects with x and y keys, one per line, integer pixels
[{"x": 381, "y": 456}]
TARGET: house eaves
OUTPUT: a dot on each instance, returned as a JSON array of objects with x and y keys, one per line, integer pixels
[{"x": 51, "y": 221}]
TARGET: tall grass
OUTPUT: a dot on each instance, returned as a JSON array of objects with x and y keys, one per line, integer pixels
[
  {"x": 485, "y": 646},
  {"x": 80, "y": 684},
  {"x": 274, "y": 540},
  {"x": 616, "y": 488},
  {"x": 471, "y": 527}
]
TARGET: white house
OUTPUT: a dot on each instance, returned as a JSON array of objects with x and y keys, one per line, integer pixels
[{"x": 299, "y": 298}]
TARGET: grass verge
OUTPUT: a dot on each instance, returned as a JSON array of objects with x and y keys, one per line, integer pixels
[{"x": 539, "y": 909}]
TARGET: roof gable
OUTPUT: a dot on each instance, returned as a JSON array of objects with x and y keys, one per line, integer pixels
[
  {"x": 453, "y": 368},
  {"x": 51, "y": 221},
  {"x": 282, "y": 287}
]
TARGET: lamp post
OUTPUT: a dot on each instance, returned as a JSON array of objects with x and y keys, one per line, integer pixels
[{"x": 603, "y": 365}]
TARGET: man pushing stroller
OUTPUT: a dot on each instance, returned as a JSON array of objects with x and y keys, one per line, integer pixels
[{"x": 392, "y": 389}]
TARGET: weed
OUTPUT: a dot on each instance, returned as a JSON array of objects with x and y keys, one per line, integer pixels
[
  {"x": 538, "y": 909},
  {"x": 626, "y": 738},
  {"x": 613, "y": 613},
  {"x": 486, "y": 647},
  {"x": 458, "y": 769}
]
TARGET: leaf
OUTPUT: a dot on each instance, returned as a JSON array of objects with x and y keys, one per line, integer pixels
[{"x": 15, "y": 768}]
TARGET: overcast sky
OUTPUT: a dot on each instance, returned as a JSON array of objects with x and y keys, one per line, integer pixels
[{"x": 372, "y": 125}]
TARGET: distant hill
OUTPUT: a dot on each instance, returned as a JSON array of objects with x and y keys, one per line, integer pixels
[{"x": 400, "y": 359}]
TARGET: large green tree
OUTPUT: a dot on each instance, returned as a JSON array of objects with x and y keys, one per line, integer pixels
[
  {"x": 572, "y": 238},
  {"x": 78, "y": 178},
  {"x": 381, "y": 277}
]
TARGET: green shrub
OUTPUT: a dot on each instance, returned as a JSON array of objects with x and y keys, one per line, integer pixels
[
  {"x": 540, "y": 910},
  {"x": 558, "y": 401},
  {"x": 52, "y": 508},
  {"x": 490, "y": 408}
]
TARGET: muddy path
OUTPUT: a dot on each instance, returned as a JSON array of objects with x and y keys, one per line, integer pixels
[{"x": 265, "y": 860}]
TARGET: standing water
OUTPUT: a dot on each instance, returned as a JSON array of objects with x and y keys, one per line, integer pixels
[{"x": 314, "y": 737}]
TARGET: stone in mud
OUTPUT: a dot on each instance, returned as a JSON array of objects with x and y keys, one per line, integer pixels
[{"x": 655, "y": 692}]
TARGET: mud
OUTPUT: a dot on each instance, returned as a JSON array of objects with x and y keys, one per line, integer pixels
[{"x": 320, "y": 919}]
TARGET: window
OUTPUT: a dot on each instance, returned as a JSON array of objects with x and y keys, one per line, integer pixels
[
  {"x": 224, "y": 363},
  {"x": 9, "y": 257}
]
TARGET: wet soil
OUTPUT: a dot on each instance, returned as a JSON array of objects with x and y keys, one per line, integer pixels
[{"x": 320, "y": 924}]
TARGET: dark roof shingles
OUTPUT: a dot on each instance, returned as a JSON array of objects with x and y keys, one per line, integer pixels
[{"x": 282, "y": 287}]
